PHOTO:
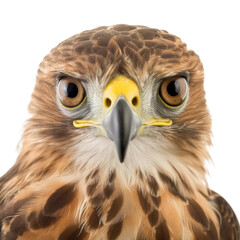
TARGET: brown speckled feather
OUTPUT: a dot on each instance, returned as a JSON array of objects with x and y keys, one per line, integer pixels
[
  {"x": 229, "y": 226},
  {"x": 68, "y": 183}
]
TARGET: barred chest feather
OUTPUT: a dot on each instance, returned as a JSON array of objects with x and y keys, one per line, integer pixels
[
  {"x": 113, "y": 211},
  {"x": 150, "y": 198},
  {"x": 139, "y": 199}
]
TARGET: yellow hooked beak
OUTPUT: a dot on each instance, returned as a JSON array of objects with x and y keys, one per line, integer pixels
[{"x": 121, "y": 114}]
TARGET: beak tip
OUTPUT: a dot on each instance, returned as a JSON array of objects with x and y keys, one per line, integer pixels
[{"x": 121, "y": 154}]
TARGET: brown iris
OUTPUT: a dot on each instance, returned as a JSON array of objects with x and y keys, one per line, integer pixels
[
  {"x": 173, "y": 91},
  {"x": 71, "y": 92}
]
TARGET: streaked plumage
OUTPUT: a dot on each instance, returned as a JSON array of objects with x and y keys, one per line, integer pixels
[{"x": 68, "y": 182}]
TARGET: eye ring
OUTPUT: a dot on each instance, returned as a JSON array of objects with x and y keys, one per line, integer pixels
[
  {"x": 173, "y": 91},
  {"x": 71, "y": 93}
]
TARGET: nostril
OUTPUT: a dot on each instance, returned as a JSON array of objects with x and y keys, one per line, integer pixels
[
  {"x": 135, "y": 101},
  {"x": 108, "y": 102}
]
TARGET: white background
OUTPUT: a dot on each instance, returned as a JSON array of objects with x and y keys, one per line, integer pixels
[{"x": 29, "y": 29}]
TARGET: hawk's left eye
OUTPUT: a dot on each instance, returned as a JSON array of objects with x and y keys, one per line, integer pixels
[
  {"x": 71, "y": 92},
  {"x": 173, "y": 91}
]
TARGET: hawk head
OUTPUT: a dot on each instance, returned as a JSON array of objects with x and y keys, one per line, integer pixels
[
  {"x": 115, "y": 144},
  {"x": 123, "y": 97}
]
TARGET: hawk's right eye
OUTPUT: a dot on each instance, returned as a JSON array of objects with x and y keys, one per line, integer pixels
[{"x": 71, "y": 92}]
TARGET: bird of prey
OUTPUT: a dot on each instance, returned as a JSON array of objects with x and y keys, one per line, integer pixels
[{"x": 116, "y": 145}]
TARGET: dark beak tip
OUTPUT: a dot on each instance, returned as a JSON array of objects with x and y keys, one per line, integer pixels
[{"x": 121, "y": 154}]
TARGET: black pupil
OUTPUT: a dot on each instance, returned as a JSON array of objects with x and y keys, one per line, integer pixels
[
  {"x": 71, "y": 90},
  {"x": 173, "y": 88}
]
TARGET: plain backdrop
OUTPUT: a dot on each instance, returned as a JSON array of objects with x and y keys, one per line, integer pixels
[{"x": 29, "y": 29}]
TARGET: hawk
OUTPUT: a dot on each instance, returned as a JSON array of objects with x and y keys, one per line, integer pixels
[{"x": 116, "y": 144}]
